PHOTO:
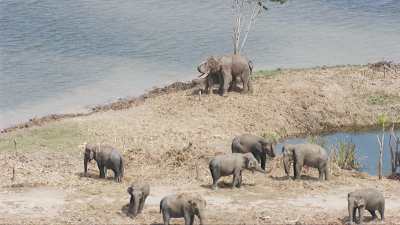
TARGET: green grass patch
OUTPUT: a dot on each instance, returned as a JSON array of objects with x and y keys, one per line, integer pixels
[
  {"x": 267, "y": 73},
  {"x": 382, "y": 99},
  {"x": 57, "y": 137}
]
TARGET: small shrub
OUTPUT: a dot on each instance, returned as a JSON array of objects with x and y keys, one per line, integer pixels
[
  {"x": 273, "y": 136},
  {"x": 345, "y": 156}
]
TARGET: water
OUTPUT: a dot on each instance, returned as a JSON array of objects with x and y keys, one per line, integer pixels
[
  {"x": 60, "y": 56},
  {"x": 367, "y": 148}
]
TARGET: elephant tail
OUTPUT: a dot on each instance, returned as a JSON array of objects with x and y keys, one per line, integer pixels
[
  {"x": 161, "y": 203},
  {"x": 251, "y": 66}
]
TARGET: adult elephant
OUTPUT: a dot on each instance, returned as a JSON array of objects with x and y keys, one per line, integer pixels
[
  {"x": 183, "y": 205},
  {"x": 227, "y": 69},
  {"x": 107, "y": 157},
  {"x": 260, "y": 147},
  {"x": 311, "y": 155}
]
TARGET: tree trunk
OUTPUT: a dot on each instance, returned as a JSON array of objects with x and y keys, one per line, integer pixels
[
  {"x": 394, "y": 142},
  {"x": 381, "y": 146}
]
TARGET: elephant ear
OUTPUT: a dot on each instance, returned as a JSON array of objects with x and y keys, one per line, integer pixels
[
  {"x": 193, "y": 204},
  {"x": 213, "y": 64},
  {"x": 249, "y": 160},
  {"x": 360, "y": 202}
]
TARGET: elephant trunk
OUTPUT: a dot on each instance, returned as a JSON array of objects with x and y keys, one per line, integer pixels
[
  {"x": 134, "y": 206},
  {"x": 286, "y": 164},
  {"x": 258, "y": 169}
]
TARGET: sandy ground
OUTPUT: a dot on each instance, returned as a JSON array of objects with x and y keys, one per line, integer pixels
[{"x": 154, "y": 138}]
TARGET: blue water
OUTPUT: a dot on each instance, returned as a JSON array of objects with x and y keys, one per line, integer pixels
[
  {"x": 367, "y": 148},
  {"x": 60, "y": 56}
]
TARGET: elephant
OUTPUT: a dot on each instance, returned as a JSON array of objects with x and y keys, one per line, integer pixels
[
  {"x": 183, "y": 205},
  {"x": 227, "y": 69},
  {"x": 107, "y": 157},
  {"x": 311, "y": 155},
  {"x": 369, "y": 199},
  {"x": 139, "y": 193},
  {"x": 259, "y": 146},
  {"x": 235, "y": 163}
]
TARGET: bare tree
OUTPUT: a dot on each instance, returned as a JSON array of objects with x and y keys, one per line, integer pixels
[
  {"x": 245, "y": 14},
  {"x": 394, "y": 143},
  {"x": 381, "y": 140}
]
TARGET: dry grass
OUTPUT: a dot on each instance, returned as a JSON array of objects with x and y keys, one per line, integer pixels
[{"x": 168, "y": 140}]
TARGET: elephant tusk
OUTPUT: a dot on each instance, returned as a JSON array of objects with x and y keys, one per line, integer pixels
[{"x": 203, "y": 75}]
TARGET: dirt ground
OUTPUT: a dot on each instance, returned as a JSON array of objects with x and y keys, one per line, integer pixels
[{"x": 168, "y": 140}]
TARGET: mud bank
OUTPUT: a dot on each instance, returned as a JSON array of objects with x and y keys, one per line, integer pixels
[{"x": 169, "y": 136}]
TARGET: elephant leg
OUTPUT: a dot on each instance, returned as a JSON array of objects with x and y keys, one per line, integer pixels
[
  {"x": 191, "y": 219},
  {"x": 165, "y": 217},
  {"x": 187, "y": 218},
  {"x": 231, "y": 86},
  {"x": 294, "y": 169},
  {"x": 326, "y": 172},
  {"x": 101, "y": 169},
  {"x": 105, "y": 172},
  {"x": 361, "y": 214},
  {"x": 215, "y": 176},
  {"x": 209, "y": 84},
  {"x": 297, "y": 168},
  {"x": 130, "y": 207},
  {"x": 239, "y": 184},
  {"x": 320, "y": 174},
  {"x": 141, "y": 205},
  {"x": 236, "y": 175},
  {"x": 382, "y": 212},
  {"x": 115, "y": 174},
  {"x": 354, "y": 215},
  {"x": 226, "y": 80},
  {"x": 245, "y": 80},
  {"x": 263, "y": 161},
  {"x": 373, "y": 214}
]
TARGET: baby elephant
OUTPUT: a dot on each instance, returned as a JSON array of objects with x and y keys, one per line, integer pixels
[
  {"x": 369, "y": 199},
  {"x": 225, "y": 165},
  {"x": 183, "y": 205},
  {"x": 311, "y": 155},
  {"x": 139, "y": 193},
  {"x": 106, "y": 157},
  {"x": 259, "y": 146}
]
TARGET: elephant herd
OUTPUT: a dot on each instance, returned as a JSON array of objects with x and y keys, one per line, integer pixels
[{"x": 249, "y": 152}]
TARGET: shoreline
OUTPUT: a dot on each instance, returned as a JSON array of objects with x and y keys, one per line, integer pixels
[
  {"x": 128, "y": 102},
  {"x": 120, "y": 104}
]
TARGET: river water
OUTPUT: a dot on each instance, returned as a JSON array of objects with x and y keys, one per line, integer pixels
[
  {"x": 366, "y": 146},
  {"x": 62, "y": 56}
]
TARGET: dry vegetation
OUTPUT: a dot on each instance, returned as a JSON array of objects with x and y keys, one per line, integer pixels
[{"x": 168, "y": 139}]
